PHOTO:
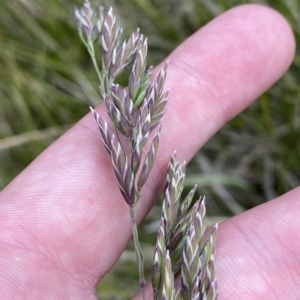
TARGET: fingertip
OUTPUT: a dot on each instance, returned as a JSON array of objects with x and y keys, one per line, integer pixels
[
  {"x": 271, "y": 31},
  {"x": 226, "y": 65}
]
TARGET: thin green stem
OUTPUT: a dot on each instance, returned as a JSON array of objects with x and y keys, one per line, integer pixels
[
  {"x": 91, "y": 50},
  {"x": 82, "y": 38},
  {"x": 90, "y": 47},
  {"x": 138, "y": 250}
]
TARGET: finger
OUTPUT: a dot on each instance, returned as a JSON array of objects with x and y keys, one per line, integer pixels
[
  {"x": 67, "y": 201},
  {"x": 260, "y": 249}
]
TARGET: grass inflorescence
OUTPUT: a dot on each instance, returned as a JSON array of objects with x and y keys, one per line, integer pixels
[{"x": 135, "y": 111}]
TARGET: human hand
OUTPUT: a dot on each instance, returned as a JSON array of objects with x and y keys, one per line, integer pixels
[{"x": 63, "y": 222}]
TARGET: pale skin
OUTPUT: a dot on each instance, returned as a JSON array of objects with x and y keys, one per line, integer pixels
[{"x": 63, "y": 222}]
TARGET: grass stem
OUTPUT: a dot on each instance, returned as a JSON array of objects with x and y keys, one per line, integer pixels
[{"x": 138, "y": 250}]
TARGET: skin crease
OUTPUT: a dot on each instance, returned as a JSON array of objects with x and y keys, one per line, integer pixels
[{"x": 63, "y": 223}]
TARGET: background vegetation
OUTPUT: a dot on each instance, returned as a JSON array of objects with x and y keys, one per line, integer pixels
[{"x": 47, "y": 82}]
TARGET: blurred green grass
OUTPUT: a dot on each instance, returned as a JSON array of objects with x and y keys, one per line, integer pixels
[{"x": 47, "y": 82}]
